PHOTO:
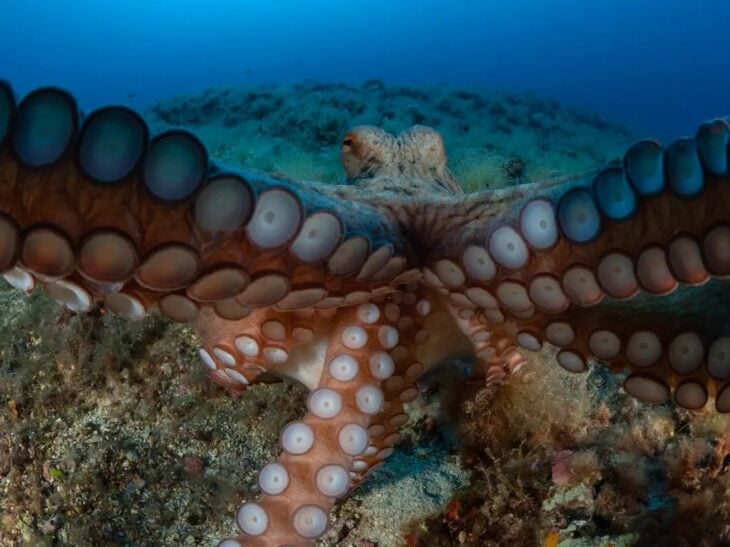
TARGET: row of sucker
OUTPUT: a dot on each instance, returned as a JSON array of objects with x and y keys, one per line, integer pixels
[
  {"x": 339, "y": 439},
  {"x": 657, "y": 270},
  {"x": 113, "y": 146},
  {"x": 688, "y": 356},
  {"x": 498, "y": 357},
  {"x": 265, "y": 340},
  {"x": 646, "y": 171},
  {"x": 578, "y": 216}
]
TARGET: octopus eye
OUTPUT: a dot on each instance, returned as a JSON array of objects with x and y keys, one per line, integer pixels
[{"x": 347, "y": 142}]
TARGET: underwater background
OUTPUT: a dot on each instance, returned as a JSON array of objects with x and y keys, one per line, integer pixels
[
  {"x": 658, "y": 67},
  {"x": 111, "y": 432}
]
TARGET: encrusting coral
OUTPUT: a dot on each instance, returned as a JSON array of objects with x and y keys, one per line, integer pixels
[{"x": 356, "y": 292}]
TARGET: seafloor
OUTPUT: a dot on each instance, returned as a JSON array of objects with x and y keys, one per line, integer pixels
[{"x": 111, "y": 434}]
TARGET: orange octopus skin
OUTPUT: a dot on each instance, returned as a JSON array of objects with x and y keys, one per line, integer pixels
[{"x": 357, "y": 289}]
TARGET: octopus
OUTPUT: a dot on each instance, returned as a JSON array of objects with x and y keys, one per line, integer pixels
[{"x": 357, "y": 289}]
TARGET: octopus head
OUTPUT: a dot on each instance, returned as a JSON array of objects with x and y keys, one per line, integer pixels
[{"x": 417, "y": 154}]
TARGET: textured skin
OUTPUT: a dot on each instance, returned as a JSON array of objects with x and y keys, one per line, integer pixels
[{"x": 356, "y": 289}]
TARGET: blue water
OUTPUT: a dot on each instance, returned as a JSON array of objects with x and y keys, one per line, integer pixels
[{"x": 659, "y": 66}]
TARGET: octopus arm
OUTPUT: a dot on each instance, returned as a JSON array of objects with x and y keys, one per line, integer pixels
[
  {"x": 626, "y": 267},
  {"x": 96, "y": 209},
  {"x": 362, "y": 365}
]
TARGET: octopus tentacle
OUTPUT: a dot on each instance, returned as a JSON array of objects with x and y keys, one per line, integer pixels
[
  {"x": 364, "y": 369},
  {"x": 152, "y": 217},
  {"x": 687, "y": 358},
  {"x": 237, "y": 352},
  {"x": 495, "y": 348},
  {"x": 594, "y": 266}
]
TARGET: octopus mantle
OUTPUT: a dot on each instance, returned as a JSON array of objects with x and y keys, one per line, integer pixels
[{"x": 357, "y": 289}]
